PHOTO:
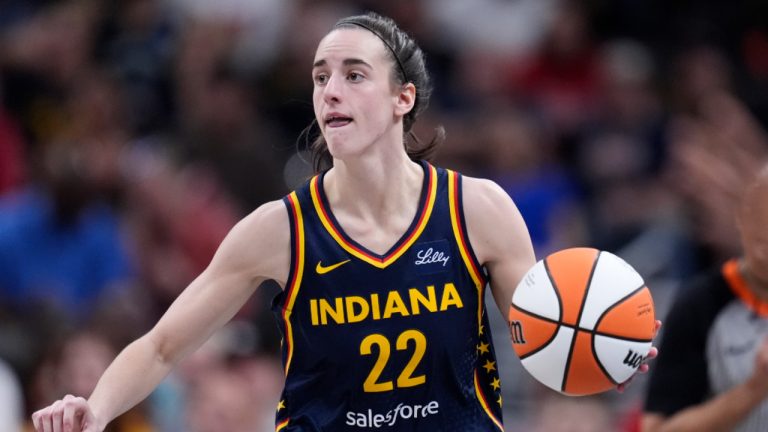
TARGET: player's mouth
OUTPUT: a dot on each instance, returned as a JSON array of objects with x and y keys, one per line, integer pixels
[{"x": 335, "y": 120}]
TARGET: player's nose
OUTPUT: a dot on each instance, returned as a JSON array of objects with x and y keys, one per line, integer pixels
[{"x": 333, "y": 89}]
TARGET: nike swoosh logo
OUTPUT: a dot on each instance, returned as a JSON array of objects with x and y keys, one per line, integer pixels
[{"x": 323, "y": 270}]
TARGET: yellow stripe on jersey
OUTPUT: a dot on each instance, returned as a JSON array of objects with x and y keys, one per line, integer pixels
[
  {"x": 458, "y": 232},
  {"x": 484, "y": 403},
  {"x": 355, "y": 251},
  {"x": 298, "y": 270},
  {"x": 280, "y": 426}
]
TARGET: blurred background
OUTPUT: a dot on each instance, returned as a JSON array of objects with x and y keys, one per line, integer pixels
[{"x": 135, "y": 133}]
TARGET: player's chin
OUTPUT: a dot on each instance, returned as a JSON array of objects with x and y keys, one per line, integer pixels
[{"x": 343, "y": 147}]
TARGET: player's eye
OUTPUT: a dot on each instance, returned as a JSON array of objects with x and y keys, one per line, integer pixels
[
  {"x": 320, "y": 78},
  {"x": 355, "y": 77}
]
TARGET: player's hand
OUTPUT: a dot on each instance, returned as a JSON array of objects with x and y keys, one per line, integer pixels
[
  {"x": 652, "y": 353},
  {"x": 71, "y": 414}
]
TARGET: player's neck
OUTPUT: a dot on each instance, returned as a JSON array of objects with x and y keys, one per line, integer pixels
[{"x": 374, "y": 185}]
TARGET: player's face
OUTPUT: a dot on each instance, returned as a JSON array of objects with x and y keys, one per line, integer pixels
[
  {"x": 754, "y": 237},
  {"x": 354, "y": 98}
]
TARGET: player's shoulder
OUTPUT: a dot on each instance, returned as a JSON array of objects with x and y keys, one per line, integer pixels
[
  {"x": 486, "y": 204},
  {"x": 493, "y": 221},
  {"x": 271, "y": 211},
  {"x": 259, "y": 243},
  {"x": 268, "y": 220},
  {"x": 481, "y": 193}
]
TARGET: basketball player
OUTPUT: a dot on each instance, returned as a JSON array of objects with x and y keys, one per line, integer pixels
[
  {"x": 383, "y": 260},
  {"x": 713, "y": 375}
]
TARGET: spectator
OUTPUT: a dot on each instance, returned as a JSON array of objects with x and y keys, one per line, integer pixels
[{"x": 60, "y": 245}]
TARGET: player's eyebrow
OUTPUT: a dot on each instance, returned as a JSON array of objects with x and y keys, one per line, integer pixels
[{"x": 345, "y": 62}]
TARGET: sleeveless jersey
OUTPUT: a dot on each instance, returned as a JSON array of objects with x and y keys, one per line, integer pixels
[{"x": 395, "y": 342}]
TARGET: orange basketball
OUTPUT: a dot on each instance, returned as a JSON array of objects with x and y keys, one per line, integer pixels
[{"x": 581, "y": 321}]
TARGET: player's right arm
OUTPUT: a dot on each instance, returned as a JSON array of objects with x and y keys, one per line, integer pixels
[
  {"x": 499, "y": 237},
  {"x": 722, "y": 412},
  {"x": 256, "y": 249}
]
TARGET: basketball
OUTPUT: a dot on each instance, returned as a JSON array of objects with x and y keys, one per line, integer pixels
[{"x": 581, "y": 321}]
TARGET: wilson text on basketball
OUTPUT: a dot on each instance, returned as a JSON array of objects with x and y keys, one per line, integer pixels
[
  {"x": 633, "y": 359},
  {"x": 516, "y": 332}
]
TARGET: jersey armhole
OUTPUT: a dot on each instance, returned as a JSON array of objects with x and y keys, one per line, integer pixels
[
  {"x": 459, "y": 226},
  {"x": 296, "y": 223},
  {"x": 283, "y": 303}
]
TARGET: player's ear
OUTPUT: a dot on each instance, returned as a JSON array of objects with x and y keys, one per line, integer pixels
[{"x": 406, "y": 98}]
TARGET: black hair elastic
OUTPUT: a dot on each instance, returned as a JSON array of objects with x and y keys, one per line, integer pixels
[{"x": 394, "y": 54}]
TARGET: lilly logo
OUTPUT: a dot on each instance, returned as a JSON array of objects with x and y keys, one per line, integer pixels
[{"x": 432, "y": 257}]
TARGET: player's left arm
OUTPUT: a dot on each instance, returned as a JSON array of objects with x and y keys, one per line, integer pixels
[{"x": 499, "y": 237}]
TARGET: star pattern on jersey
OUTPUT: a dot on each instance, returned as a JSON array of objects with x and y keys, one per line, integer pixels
[
  {"x": 496, "y": 383},
  {"x": 483, "y": 348},
  {"x": 489, "y": 366},
  {"x": 487, "y": 362},
  {"x": 281, "y": 405}
]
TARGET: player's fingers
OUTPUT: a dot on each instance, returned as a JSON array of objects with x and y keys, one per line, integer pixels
[
  {"x": 45, "y": 419},
  {"x": 56, "y": 414},
  {"x": 643, "y": 368},
  {"x": 47, "y": 424},
  {"x": 652, "y": 353},
  {"x": 72, "y": 413},
  {"x": 86, "y": 418},
  {"x": 623, "y": 386},
  {"x": 657, "y": 326},
  {"x": 37, "y": 421}
]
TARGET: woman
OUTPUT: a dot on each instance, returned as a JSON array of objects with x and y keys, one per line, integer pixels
[{"x": 383, "y": 261}]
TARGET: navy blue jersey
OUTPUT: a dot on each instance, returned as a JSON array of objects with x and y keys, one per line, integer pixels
[{"x": 398, "y": 341}]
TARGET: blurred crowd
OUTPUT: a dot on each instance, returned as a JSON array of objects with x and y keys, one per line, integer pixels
[{"x": 135, "y": 133}]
